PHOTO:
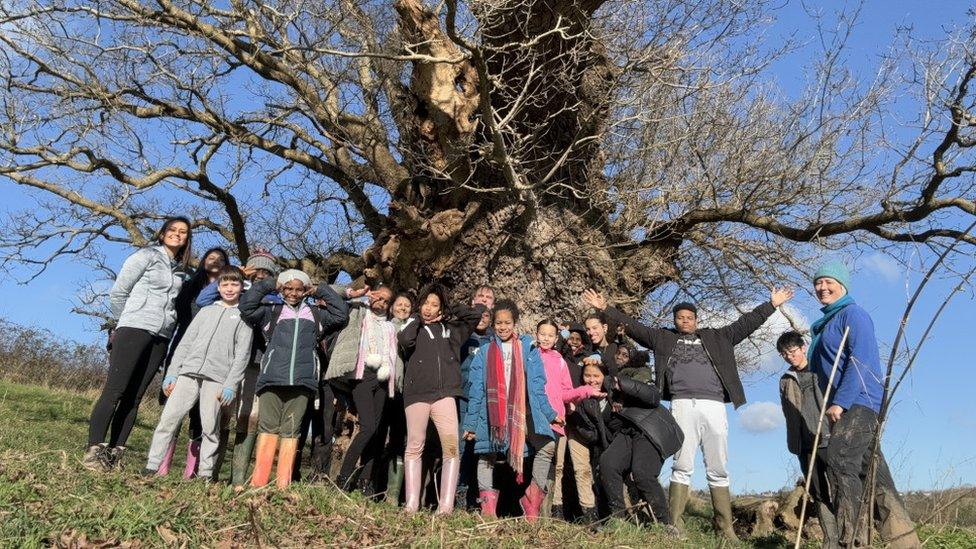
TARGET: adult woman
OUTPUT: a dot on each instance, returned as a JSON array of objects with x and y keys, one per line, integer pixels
[
  {"x": 855, "y": 401},
  {"x": 142, "y": 301}
]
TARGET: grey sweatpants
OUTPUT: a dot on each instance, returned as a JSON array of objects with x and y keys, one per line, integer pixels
[
  {"x": 185, "y": 394},
  {"x": 545, "y": 449}
]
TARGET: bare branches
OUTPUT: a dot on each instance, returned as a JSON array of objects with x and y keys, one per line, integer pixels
[{"x": 443, "y": 140}]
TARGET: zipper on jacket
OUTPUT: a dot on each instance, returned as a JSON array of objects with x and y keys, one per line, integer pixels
[
  {"x": 714, "y": 367},
  {"x": 169, "y": 267},
  {"x": 440, "y": 375},
  {"x": 294, "y": 348}
]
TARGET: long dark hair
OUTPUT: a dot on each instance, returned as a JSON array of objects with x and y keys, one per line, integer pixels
[
  {"x": 200, "y": 275},
  {"x": 185, "y": 253},
  {"x": 439, "y": 291}
]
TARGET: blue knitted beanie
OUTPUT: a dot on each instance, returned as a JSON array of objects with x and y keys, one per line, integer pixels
[{"x": 836, "y": 270}]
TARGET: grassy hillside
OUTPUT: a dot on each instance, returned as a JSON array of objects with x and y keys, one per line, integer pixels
[{"x": 47, "y": 498}]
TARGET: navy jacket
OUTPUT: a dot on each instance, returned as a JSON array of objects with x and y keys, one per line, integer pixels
[{"x": 291, "y": 358}]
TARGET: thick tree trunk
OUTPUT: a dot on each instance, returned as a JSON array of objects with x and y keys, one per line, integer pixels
[
  {"x": 541, "y": 246},
  {"x": 543, "y": 258}
]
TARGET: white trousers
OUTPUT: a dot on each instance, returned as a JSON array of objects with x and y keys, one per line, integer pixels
[{"x": 706, "y": 425}]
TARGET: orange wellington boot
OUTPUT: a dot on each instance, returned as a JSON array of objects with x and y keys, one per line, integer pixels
[
  {"x": 264, "y": 454},
  {"x": 286, "y": 461}
]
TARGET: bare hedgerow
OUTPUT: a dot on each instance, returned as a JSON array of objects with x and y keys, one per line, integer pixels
[{"x": 39, "y": 357}]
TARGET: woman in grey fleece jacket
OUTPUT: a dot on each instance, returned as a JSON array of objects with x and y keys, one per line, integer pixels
[
  {"x": 142, "y": 303},
  {"x": 207, "y": 367}
]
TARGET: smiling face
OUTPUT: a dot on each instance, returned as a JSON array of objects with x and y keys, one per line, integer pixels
[
  {"x": 597, "y": 331},
  {"x": 593, "y": 376},
  {"x": 230, "y": 290},
  {"x": 685, "y": 321},
  {"x": 430, "y": 308},
  {"x": 379, "y": 301},
  {"x": 575, "y": 341},
  {"x": 484, "y": 322},
  {"x": 546, "y": 335},
  {"x": 402, "y": 308},
  {"x": 828, "y": 290},
  {"x": 504, "y": 324},
  {"x": 293, "y": 292},
  {"x": 175, "y": 236},
  {"x": 213, "y": 263}
]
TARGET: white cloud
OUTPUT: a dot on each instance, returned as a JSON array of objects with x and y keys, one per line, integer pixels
[
  {"x": 761, "y": 417},
  {"x": 884, "y": 266}
]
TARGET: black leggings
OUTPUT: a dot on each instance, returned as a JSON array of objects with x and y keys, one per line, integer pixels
[
  {"x": 633, "y": 452},
  {"x": 135, "y": 357},
  {"x": 369, "y": 396}
]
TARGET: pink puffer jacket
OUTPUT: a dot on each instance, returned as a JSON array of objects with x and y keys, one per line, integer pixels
[{"x": 559, "y": 386}]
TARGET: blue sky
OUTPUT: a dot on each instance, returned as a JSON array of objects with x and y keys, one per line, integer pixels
[{"x": 929, "y": 438}]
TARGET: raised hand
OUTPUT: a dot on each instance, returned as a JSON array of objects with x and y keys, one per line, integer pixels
[
  {"x": 779, "y": 296},
  {"x": 594, "y": 299},
  {"x": 353, "y": 294}
]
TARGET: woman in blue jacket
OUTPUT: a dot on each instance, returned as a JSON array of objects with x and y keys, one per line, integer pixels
[
  {"x": 854, "y": 400},
  {"x": 508, "y": 410}
]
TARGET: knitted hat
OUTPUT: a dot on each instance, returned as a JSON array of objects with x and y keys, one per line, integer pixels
[
  {"x": 836, "y": 270},
  {"x": 294, "y": 274},
  {"x": 262, "y": 259}
]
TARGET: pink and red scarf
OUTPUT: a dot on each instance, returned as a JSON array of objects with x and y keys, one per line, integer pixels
[{"x": 506, "y": 405}]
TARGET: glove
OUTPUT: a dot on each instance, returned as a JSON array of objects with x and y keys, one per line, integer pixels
[
  {"x": 226, "y": 396},
  {"x": 564, "y": 333},
  {"x": 167, "y": 382}
]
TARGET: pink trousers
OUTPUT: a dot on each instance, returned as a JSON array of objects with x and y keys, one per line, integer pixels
[{"x": 444, "y": 415}]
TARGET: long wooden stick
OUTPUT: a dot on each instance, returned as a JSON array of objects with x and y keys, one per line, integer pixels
[{"x": 816, "y": 437}]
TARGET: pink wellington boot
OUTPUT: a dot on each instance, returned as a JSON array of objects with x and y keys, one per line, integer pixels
[
  {"x": 532, "y": 501},
  {"x": 167, "y": 459},
  {"x": 411, "y": 485},
  {"x": 192, "y": 459},
  {"x": 489, "y": 503},
  {"x": 450, "y": 470}
]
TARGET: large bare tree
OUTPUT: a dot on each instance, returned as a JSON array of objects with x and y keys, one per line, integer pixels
[{"x": 542, "y": 146}]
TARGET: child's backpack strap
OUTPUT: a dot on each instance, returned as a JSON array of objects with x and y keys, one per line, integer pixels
[
  {"x": 317, "y": 316},
  {"x": 275, "y": 316}
]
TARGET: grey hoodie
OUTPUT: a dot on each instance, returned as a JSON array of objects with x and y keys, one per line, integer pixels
[
  {"x": 145, "y": 290},
  {"x": 216, "y": 346}
]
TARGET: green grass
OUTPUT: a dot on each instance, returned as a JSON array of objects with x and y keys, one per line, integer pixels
[{"x": 47, "y": 498}]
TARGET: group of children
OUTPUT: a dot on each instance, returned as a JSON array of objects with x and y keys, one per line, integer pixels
[{"x": 513, "y": 411}]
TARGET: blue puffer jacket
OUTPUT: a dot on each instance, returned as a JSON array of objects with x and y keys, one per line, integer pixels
[
  {"x": 476, "y": 419},
  {"x": 468, "y": 351}
]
